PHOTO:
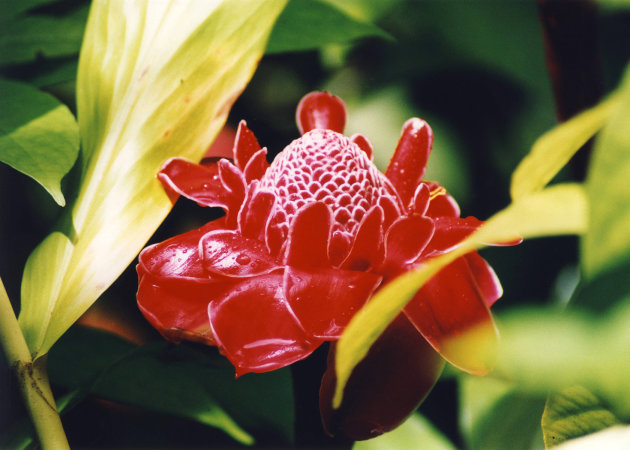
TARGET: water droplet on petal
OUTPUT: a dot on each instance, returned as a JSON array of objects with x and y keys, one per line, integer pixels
[{"x": 243, "y": 259}]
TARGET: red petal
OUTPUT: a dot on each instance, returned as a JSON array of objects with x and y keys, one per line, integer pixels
[
  {"x": 174, "y": 290},
  {"x": 255, "y": 328},
  {"x": 254, "y": 215},
  {"x": 367, "y": 249},
  {"x": 324, "y": 300},
  {"x": 363, "y": 144},
  {"x": 234, "y": 182},
  {"x": 421, "y": 198},
  {"x": 452, "y": 315},
  {"x": 487, "y": 280},
  {"x": 245, "y": 145},
  {"x": 227, "y": 253},
  {"x": 404, "y": 242},
  {"x": 408, "y": 164},
  {"x": 390, "y": 211},
  {"x": 441, "y": 204},
  {"x": 385, "y": 388},
  {"x": 197, "y": 182},
  {"x": 449, "y": 232},
  {"x": 309, "y": 236},
  {"x": 178, "y": 312},
  {"x": 321, "y": 110},
  {"x": 178, "y": 257},
  {"x": 257, "y": 166}
]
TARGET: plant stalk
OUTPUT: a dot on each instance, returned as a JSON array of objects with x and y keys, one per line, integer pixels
[{"x": 32, "y": 378}]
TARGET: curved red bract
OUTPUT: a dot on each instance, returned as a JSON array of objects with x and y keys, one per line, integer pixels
[{"x": 304, "y": 244}]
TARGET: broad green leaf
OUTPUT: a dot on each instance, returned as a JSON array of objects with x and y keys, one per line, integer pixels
[
  {"x": 613, "y": 438},
  {"x": 556, "y": 210},
  {"x": 181, "y": 380},
  {"x": 493, "y": 415},
  {"x": 311, "y": 24},
  {"x": 28, "y": 37},
  {"x": 156, "y": 80},
  {"x": 552, "y": 151},
  {"x": 545, "y": 349},
  {"x": 38, "y": 135},
  {"x": 416, "y": 432},
  {"x": 607, "y": 244},
  {"x": 574, "y": 412}
]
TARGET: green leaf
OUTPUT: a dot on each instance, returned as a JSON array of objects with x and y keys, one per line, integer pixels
[
  {"x": 552, "y": 151},
  {"x": 556, "y": 210},
  {"x": 574, "y": 412},
  {"x": 38, "y": 135},
  {"x": 544, "y": 349},
  {"x": 607, "y": 244},
  {"x": 178, "y": 380},
  {"x": 156, "y": 80},
  {"x": 415, "y": 432},
  {"x": 28, "y": 37},
  {"x": 311, "y": 24},
  {"x": 493, "y": 415}
]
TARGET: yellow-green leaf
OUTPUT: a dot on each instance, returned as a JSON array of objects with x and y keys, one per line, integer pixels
[
  {"x": 560, "y": 209},
  {"x": 607, "y": 244},
  {"x": 156, "y": 80},
  {"x": 416, "y": 432},
  {"x": 554, "y": 149},
  {"x": 573, "y": 412}
]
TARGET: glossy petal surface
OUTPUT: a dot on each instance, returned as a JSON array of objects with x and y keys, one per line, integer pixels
[
  {"x": 409, "y": 162},
  {"x": 229, "y": 254},
  {"x": 448, "y": 306},
  {"x": 194, "y": 181},
  {"x": 385, "y": 388},
  {"x": 324, "y": 300},
  {"x": 321, "y": 110},
  {"x": 255, "y": 328}
]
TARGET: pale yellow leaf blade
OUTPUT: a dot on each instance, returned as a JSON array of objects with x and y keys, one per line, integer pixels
[
  {"x": 156, "y": 80},
  {"x": 551, "y": 152},
  {"x": 560, "y": 209}
]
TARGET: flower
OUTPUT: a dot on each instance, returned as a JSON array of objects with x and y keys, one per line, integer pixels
[{"x": 304, "y": 243}]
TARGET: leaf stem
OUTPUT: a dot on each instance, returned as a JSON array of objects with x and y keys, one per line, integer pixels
[{"x": 32, "y": 378}]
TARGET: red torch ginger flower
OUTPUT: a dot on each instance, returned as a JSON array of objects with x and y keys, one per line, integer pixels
[{"x": 303, "y": 245}]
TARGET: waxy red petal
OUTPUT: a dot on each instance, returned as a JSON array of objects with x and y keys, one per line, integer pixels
[
  {"x": 227, "y": 253},
  {"x": 367, "y": 249},
  {"x": 320, "y": 110},
  {"x": 487, "y": 280},
  {"x": 197, "y": 182},
  {"x": 385, "y": 388},
  {"x": 404, "y": 242},
  {"x": 254, "y": 215},
  {"x": 448, "y": 307},
  {"x": 324, "y": 300},
  {"x": 309, "y": 237},
  {"x": 408, "y": 164},
  {"x": 363, "y": 144},
  {"x": 178, "y": 310},
  {"x": 441, "y": 204},
  {"x": 174, "y": 290},
  {"x": 449, "y": 232},
  {"x": 245, "y": 145},
  {"x": 255, "y": 329},
  {"x": 234, "y": 183},
  {"x": 421, "y": 198},
  {"x": 257, "y": 166}
]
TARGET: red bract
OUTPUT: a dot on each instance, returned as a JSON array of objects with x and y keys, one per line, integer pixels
[{"x": 303, "y": 245}]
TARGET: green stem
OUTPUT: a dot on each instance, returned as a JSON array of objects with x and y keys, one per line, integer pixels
[{"x": 32, "y": 378}]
